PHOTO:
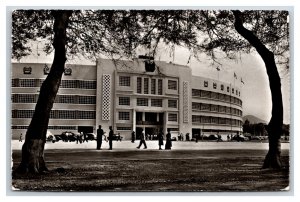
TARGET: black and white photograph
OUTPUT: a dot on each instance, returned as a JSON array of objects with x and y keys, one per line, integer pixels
[{"x": 150, "y": 100}]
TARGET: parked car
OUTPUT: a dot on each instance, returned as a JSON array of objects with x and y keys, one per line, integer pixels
[
  {"x": 91, "y": 136},
  {"x": 50, "y": 137},
  {"x": 117, "y": 137},
  {"x": 240, "y": 138}
]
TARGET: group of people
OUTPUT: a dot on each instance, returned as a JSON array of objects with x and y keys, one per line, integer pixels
[
  {"x": 100, "y": 134},
  {"x": 160, "y": 138}
]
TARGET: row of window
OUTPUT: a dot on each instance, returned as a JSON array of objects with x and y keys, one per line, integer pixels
[
  {"x": 125, "y": 116},
  {"x": 64, "y": 83},
  {"x": 49, "y": 127},
  {"x": 69, "y": 99},
  {"x": 57, "y": 114},
  {"x": 215, "y": 120},
  {"x": 216, "y": 96},
  {"x": 216, "y": 108},
  {"x": 155, "y": 85},
  {"x": 144, "y": 102},
  {"x": 222, "y": 87},
  {"x": 148, "y": 85}
]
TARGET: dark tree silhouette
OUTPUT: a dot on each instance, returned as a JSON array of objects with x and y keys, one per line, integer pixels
[{"x": 118, "y": 33}]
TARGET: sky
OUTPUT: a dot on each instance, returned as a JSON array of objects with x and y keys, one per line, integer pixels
[{"x": 250, "y": 67}]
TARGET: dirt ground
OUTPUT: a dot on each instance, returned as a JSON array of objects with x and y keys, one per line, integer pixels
[{"x": 155, "y": 171}]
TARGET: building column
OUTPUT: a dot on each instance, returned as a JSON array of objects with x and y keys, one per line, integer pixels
[{"x": 133, "y": 120}]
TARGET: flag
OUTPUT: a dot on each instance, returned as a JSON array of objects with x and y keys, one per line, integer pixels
[
  {"x": 242, "y": 80},
  {"x": 218, "y": 68},
  {"x": 235, "y": 75}
]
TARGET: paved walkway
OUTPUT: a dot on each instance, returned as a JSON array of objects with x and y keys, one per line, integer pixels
[{"x": 153, "y": 145}]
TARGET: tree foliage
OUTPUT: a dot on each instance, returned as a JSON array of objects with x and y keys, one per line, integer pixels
[{"x": 120, "y": 33}]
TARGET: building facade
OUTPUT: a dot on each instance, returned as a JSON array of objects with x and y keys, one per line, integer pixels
[{"x": 133, "y": 95}]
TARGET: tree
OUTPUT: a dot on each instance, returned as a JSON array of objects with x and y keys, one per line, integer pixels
[
  {"x": 119, "y": 33},
  {"x": 266, "y": 32}
]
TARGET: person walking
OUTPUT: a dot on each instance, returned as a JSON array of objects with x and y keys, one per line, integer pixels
[
  {"x": 160, "y": 138},
  {"x": 132, "y": 136},
  {"x": 168, "y": 140},
  {"x": 99, "y": 137},
  {"x": 142, "y": 141},
  {"x": 20, "y": 139},
  {"x": 110, "y": 137}
]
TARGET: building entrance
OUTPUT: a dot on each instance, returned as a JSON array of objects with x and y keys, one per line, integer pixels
[{"x": 150, "y": 122}]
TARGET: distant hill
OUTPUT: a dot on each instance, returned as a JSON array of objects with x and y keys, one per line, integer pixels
[{"x": 253, "y": 119}]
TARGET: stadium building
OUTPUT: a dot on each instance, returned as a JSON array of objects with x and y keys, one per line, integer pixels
[{"x": 129, "y": 95}]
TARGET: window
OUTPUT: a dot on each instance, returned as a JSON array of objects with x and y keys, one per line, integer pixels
[
  {"x": 124, "y": 116},
  {"x": 124, "y": 81},
  {"x": 124, "y": 128},
  {"x": 214, "y": 108},
  {"x": 139, "y": 85},
  {"x": 142, "y": 102},
  {"x": 86, "y": 99},
  {"x": 160, "y": 87},
  {"x": 196, "y": 93},
  {"x": 215, "y": 85},
  {"x": 228, "y": 89},
  {"x": 87, "y": 84},
  {"x": 124, "y": 101},
  {"x": 214, "y": 95},
  {"x": 172, "y": 117},
  {"x": 196, "y": 119},
  {"x": 146, "y": 86},
  {"x": 236, "y": 92},
  {"x": 27, "y": 83},
  {"x": 156, "y": 102},
  {"x": 153, "y": 86},
  {"x": 172, "y": 103},
  {"x": 205, "y": 107},
  {"x": 66, "y": 99},
  {"x": 232, "y": 90},
  {"x": 86, "y": 115},
  {"x": 205, "y": 94},
  {"x": 196, "y": 106},
  {"x": 205, "y": 83},
  {"x": 68, "y": 84},
  {"x": 23, "y": 98},
  {"x": 172, "y": 85},
  {"x": 222, "y": 87}
]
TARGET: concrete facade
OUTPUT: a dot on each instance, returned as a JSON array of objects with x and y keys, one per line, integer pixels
[{"x": 129, "y": 97}]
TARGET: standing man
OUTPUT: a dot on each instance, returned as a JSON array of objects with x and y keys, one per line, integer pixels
[
  {"x": 99, "y": 137},
  {"x": 160, "y": 138},
  {"x": 132, "y": 136},
  {"x": 110, "y": 137},
  {"x": 168, "y": 140},
  {"x": 142, "y": 141}
]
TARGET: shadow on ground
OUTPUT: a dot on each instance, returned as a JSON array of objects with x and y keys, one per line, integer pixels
[{"x": 155, "y": 171}]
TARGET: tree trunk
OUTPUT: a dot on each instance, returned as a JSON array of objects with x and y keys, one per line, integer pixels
[
  {"x": 272, "y": 159},
  {"x": 33, "y": 147}
]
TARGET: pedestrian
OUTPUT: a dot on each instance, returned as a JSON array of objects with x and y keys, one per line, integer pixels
[
  {"x": 160, "y": 138},
  {"x": 99, "y": 137},
  {"x": 110, "y": 137},
  {"x": 168, "y": 140},
  {"x": 228, "y": 137},
  {"x": 142, "y": 140},
  {"x": 78, "y": 138},
  {"x": 20, "y": 138},
  {"x": 84, "y": 137},
  {"x": 132, "y": 136},
  {"x": 187, "y": 137}
]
